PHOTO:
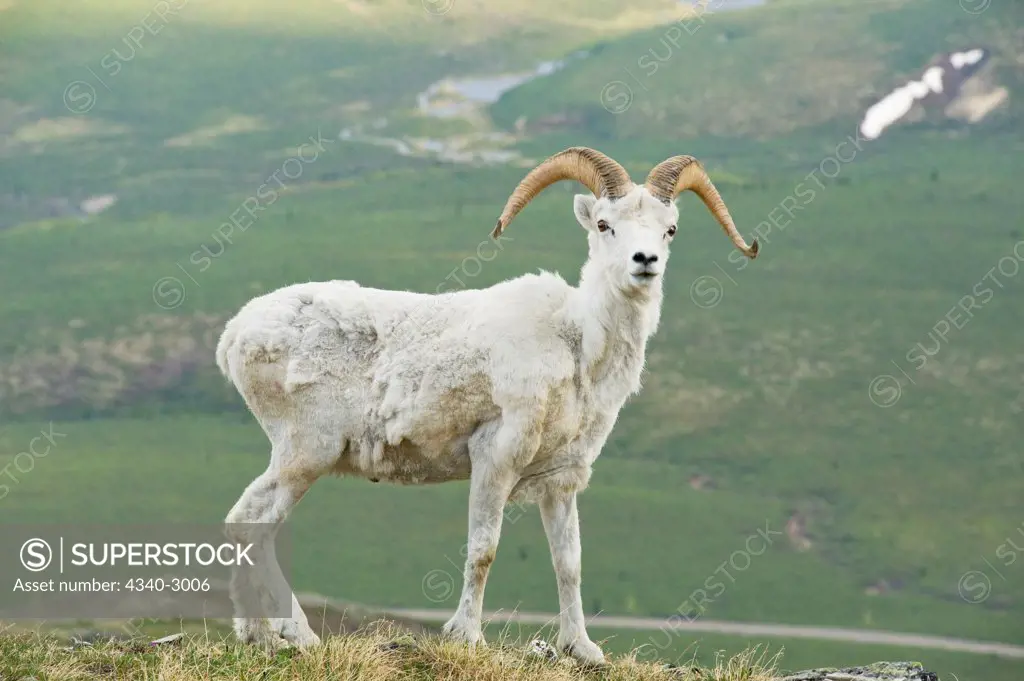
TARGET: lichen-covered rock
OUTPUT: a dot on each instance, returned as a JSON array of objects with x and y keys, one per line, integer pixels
[{"x": 880, "y": 671}]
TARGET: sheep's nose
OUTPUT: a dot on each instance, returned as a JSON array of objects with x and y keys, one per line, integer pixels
[{"x": 644, "y": 259}]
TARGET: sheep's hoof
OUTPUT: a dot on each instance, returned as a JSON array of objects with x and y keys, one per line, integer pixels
[
  {"x": 260, "y": 634},
  {"x": 458, "y": 630},
  {"x": 299, "y": 634},
  {"x": 585, "y": 652}
]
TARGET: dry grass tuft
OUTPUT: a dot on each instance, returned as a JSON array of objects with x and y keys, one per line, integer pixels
[{"x": 378, "y": 654}]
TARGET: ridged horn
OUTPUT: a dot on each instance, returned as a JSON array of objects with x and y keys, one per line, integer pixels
[
  {"x": 598, "y": 173},
  {"x": 679, "y": 173}
]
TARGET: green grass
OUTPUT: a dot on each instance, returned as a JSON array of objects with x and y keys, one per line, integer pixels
[
  {"x": 651, "y": 541},
  {"x": 322, "y": 65},
  {"x": 915, "y": 495}
]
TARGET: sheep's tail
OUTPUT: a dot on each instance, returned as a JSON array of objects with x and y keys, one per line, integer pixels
[
  {"x": 259, "y": 359},
  {"x": 239, "y": 346},
  {"x": 260, "y": 348}
]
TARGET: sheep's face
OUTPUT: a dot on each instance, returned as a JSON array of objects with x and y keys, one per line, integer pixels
[{"x": 629, "y": 236}]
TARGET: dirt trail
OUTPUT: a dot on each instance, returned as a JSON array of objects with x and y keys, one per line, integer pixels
[{"x": 891, "y": 638}]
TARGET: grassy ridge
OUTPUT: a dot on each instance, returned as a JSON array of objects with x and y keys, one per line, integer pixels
[
  {"x": 348, "y": 657},
  {"x": 208, "y": 653},
  {"x": 42, "y": 645}
]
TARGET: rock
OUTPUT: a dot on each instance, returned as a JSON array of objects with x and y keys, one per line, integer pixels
[
  {"x": 542, "y": 648},
  {"x": 879, "y": 671}
]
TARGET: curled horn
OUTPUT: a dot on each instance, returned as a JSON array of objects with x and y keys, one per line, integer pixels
[
  {"x": 598, "y": 173},
  {"x": 679, "y": 173}
]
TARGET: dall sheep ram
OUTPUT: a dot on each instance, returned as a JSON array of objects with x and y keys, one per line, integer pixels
[{"x": 515, "y": 387}]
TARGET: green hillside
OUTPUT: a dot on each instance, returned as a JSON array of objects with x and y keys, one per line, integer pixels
[
  {"x": 779, "y": 392},
  {"x": 791, "y": 66}
]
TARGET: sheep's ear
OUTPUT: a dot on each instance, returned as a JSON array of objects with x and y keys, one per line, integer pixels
[{"x": 583, "y": 206}]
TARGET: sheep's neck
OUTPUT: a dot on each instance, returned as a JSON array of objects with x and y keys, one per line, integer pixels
[{"x": 616, "y": 327}]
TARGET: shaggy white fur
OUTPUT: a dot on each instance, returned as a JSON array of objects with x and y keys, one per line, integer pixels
[{"x": 515, "y": 387}]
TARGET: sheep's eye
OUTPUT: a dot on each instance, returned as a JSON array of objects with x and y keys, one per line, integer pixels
[
  {"x": 672, "y": 230},
  {"x": 602, "y": 225}
]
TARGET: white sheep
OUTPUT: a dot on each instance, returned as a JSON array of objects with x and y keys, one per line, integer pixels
[{"x": 515, "y": 387}]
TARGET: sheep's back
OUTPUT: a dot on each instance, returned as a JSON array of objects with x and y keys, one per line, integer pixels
[{"x": 404, "y": 365}]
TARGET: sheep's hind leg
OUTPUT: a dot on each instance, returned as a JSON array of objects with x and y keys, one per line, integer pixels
[
  {"x": 560, "y": 516},
  {"x": 255, "y": 519}
]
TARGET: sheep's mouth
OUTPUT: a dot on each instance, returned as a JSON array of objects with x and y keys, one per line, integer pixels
[{"x": 645, "y": 275}]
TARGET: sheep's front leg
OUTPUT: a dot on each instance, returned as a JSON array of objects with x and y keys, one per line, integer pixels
[
  {"x": 488, "y": 492},
  {"x": 562, "y": 526}
]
